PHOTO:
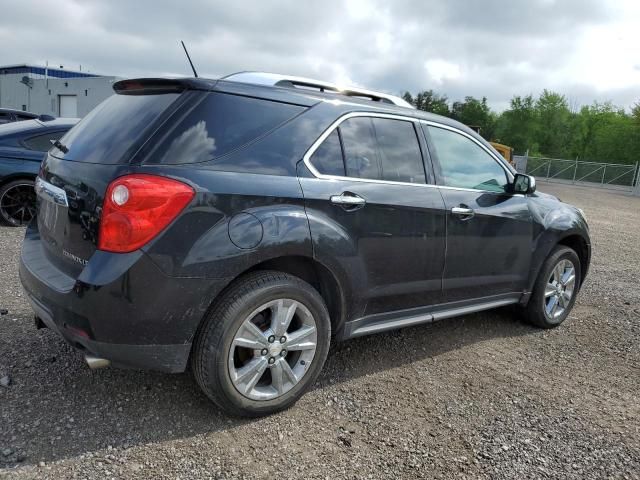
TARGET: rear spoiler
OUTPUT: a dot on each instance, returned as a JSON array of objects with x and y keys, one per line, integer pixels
[{"x": 151, "y": 86}]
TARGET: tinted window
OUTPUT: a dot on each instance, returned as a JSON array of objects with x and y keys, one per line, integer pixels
[
  {"x": 328, "y": 157},
  {"x": 25, "y": 117},
  {"x": 399, "y": 150},
  {"x": 5, "y": 118},
  {"x": 360, "y": 149},
  {"x": 113, "y": 131},
  {"x": 464, "y": 164},
  {"x": 221, "y": 123},
  {"x": 42, "y": 143}
]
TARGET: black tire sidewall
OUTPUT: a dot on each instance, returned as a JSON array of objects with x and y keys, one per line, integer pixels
[
  {"x": 6, "y": 187},
  {"x": 535, "y": 308},
  {"x": 219, "y": 345}
]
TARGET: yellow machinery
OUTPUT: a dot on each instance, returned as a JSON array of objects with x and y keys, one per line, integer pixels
[{"x": 504, "y": 150}]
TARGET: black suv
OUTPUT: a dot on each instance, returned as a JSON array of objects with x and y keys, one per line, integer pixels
[{"x": 241, "y": 228}]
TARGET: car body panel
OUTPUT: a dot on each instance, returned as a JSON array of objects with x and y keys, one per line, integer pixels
[
  {"x": 392, "y": 249},
  {"x": 489, "y": 253}
]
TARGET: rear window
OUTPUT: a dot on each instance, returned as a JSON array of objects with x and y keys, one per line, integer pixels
[
  {"x": 114, "y": 130},
  {"x": 219, "y": 124}
]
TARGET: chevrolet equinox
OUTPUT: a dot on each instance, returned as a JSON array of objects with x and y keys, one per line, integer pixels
[{"x": 241, "y": 225}]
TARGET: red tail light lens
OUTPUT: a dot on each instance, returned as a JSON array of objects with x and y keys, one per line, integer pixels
[{"x": 138, "y": 207}]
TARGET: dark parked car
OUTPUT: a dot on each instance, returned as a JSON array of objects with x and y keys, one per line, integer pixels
[
  {"x": 9, "y": 115},
  {"x": 22, "y": 147},
  {"x": 243, "y": 227}
]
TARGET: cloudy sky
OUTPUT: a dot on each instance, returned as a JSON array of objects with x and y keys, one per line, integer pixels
[{"x": 585, "y": 49}]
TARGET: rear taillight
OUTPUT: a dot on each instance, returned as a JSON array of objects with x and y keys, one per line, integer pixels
[{"x": 137, "y": 207}]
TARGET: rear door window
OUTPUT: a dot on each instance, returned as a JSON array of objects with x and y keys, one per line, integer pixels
[
  {"x": 400, "y": 156},
  {"x": 327, "y": 159},
  {"x": 360, "y": 148},
  {"x": 219, "y": 124},
  {"x": 372, "y": 148}
]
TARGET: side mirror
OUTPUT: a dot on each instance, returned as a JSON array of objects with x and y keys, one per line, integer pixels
[{"x": 525, "y": 184}]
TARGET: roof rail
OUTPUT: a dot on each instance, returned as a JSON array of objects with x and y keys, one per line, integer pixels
[{"x": 278, "y": 80}]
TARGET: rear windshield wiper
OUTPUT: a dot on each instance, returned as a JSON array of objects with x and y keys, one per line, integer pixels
[{"x": 59, "y": 146}]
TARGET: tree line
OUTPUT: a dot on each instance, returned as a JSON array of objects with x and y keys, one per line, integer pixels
[{"x": 547, "y": 125}]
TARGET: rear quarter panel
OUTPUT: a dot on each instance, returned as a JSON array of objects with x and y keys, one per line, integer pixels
[
  {"x": 16, "y": 167},
  {"x": 236, "y": 221}
]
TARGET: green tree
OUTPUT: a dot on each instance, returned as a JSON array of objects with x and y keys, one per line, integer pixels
[
  {"x": 516, "y": 126},
  {"x": 475, "y": 113},
  {"x": 635, "y": 112},
  {"x": 606, "y": 133},
  {"x": 553, "y": 127},
  {"x": 545, "y": 126},
  {"x": 429, "y": 101}
]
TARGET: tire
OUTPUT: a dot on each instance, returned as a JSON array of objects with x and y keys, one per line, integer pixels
[
  {"x": 540, "y": 310},
  {"x": 17, "y": 202},
  {"x": 227, "y": 342}
]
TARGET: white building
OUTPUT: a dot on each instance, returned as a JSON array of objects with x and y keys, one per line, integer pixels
[{"x": 53, "y": 91}]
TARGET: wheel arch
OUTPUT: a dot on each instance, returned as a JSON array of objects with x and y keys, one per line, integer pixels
[
  {"x": 578, "y": 244},
  {"x": 574, "y": 239},
  {"x": 18, "y": 176},
  {"x": 319, "y": 276}
]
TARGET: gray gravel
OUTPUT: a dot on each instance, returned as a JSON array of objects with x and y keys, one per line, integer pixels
[{"x": 482, "y": 396}]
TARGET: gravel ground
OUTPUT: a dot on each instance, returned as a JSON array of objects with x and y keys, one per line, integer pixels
[{"x": 481, "y": 396}]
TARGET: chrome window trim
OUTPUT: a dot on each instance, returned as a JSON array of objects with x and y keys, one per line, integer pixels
[{"x": 315, "y": 145}]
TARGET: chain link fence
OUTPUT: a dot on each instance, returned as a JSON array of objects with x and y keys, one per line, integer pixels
[{"x": 604, "y": 175}]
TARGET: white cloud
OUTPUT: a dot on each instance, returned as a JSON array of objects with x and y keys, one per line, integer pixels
[
  {"x": 440, "y": 70},
  {"x": 586, "y": 49}
]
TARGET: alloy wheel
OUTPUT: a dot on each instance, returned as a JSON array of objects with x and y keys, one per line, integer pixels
[
  {"x": 18, "y": 204},
  {"x": 272, "y": 350},
  {"x": 559, "y": 289}
]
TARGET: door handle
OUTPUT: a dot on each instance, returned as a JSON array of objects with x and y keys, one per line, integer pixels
[
  {"x": 465, "y": 213},
  {"x": 348, "y": 201}
]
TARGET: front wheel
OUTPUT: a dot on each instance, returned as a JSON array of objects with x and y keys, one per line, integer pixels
[
  {"x": 556, "y": 288},
  {"x": 263, "y": 344}
]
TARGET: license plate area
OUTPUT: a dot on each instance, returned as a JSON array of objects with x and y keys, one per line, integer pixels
[{"x": 52, "y": 209}]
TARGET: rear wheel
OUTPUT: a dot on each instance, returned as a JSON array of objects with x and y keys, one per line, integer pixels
[
  {"x": 17, "y": 202},
  {"x": 556, "y": 288},
  {"x": 263, "y": 345}
]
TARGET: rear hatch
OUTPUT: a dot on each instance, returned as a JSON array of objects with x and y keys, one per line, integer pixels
[{"x": 75, "y": 174}]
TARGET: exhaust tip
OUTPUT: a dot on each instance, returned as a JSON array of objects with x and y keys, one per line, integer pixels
[{"x": 96, "y": 362}]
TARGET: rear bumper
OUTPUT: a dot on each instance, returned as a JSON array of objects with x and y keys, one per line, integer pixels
[
  {"x": 139, "y": 318},
  {"x": 164, "y": 358}
]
